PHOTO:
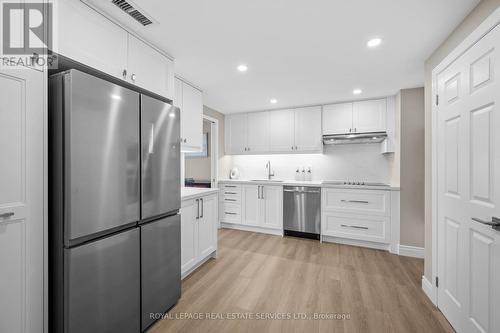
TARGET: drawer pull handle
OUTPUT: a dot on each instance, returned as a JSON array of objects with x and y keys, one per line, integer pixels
[
  {"x": 230, "y": 193},
  {"x": 228, "y": 213},
  {"x": 233, "y": 186},
  {"x": 230, "y": 199},
  {"x": 353, "y": 226},
  {"x": 355, "y": 201},
  {"x": 7, "y": 215}
]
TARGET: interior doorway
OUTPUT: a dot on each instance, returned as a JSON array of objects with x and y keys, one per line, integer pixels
[{"x": 200, "y": 168}]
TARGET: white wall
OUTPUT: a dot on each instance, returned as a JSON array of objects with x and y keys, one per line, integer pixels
[{"x": 343, "y": 162}]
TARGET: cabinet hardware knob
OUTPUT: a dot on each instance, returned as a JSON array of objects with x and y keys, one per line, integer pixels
[
  {"x": 132, "y": 77},
  {"x": 124, "y": 74}
]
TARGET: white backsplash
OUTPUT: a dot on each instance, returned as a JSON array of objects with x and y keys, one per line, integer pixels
[{"x": 344, "y": 162}]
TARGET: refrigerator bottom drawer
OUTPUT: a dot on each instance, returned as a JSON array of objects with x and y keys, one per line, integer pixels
[
  {"x": 102, "y": 292},
  {"x": 160, "y": 267}
]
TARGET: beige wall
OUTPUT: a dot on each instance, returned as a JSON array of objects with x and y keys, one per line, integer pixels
[
  {"x": 412, "y": 166},
  {"x": 199, "y": 168},
  {"x": 482, "y": 10}
]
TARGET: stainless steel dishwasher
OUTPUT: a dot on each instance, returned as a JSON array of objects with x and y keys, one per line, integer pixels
[{"x": 301, "y": 211}]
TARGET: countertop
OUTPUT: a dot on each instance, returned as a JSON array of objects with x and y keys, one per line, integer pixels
[
  {"x": 194, "y": 192},
  {"x": 317, "y": 183}
]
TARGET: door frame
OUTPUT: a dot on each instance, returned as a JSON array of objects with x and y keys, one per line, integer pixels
[
  {"x": 214, "y": 156},
  {"x": 482, "y": 30}
]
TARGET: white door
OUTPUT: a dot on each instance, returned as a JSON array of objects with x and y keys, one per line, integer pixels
[
  {"x": 88, "y": 37},
  {"x": 148, "y": 68},
  {"x": 258, "y": 132},
  {"x": 468, "y": 162},
  {"x": 189, "y": 232},
  {"x": 281, "y": 131},
  {"x": 251, "y": 204},
  {"x": 272, "y": 197},
  {"x": 337, "y": 118},
  {"x": 369, "y": 116},
  {"x": 236, "y": 134},
  {"x": 22, "y": 243},
  {"x": 207, "y": 226},
  {"x": 192, "y": 118},
  {"x": 308, "y": 129}
]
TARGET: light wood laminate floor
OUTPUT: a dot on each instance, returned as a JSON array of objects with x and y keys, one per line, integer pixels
[{"x": 259, "y": 275}]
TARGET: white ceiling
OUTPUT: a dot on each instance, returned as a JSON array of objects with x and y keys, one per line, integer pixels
[{"x": 300, "y": 52}]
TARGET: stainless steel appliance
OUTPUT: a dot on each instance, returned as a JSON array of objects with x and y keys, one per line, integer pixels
[
  {"x": 354, "y": 138},
  {"x": 302, "y": 211},
  {"x": 114, "y": 162},
  {"x": 355, "y": 183}
]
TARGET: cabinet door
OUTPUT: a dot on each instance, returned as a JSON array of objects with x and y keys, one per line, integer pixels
[
  {"x": 337, "y": 118},
  {"x": 308, "y": 129},
  {"x": 251, "y": 205},
  {"x": 273, "y": 201},
  {"x": 369, "y": 116},
  {"x": 189, "y": 231},
  {"x": 148, "y": 68},
  {"x": 207, "y": 226},
  {"x": 90, "y": 38},
  {"x": 192, "y": 118},
  {"x": 281, "y": 133},
  {"x": 258, "y": 132},
  {"x": 236, "y": 134},
  {"x": 22, "y": 225}
]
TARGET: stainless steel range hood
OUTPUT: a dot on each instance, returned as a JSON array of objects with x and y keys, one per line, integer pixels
[{"x": 353, "y": 138}]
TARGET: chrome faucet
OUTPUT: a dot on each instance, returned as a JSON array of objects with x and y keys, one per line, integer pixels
[{"x": 269, "y": 173}]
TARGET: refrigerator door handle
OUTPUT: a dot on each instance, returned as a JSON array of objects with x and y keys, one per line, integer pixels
[{"x": 151, "y": 139}]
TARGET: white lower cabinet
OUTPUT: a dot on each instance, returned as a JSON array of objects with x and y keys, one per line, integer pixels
[
  {"x": 198, "y": 231},
  {"x": 254, "y": 206},
  {"x": 363, "y": 215}
]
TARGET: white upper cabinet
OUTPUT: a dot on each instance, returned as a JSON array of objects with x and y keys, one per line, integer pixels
[
  {"x": 190, "y": 101},
  {"x": 236, "y": 134},
  {"x": 90, "y": 38},
  {"x": 308, "y": 129},
  {"x": 282, "y": 131},
  {"x": 369, "y": 116},
  {"x": 149, "y": 69},
  {"x": 258, "y": 132},
  {"x": 337, "y": 118},
  {"x": 357, "y": 117}
]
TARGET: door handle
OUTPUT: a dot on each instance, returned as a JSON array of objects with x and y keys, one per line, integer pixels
[
  {"x": 262, "y": 192},
  {"x": 353, "y": 226},
  {"x": 197, "y": 209},
  {"x": 202, "y": 204},
  {"x": 495, "y": 222},
  {"x": 355, "y": 201},
  {"x": 7, "y": 215}
]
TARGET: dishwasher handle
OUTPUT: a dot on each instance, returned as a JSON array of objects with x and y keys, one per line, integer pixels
[{"x": 298, "y": 191}]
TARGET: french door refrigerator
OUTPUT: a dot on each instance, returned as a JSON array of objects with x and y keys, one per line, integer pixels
[{"x": 114, "y": 197}]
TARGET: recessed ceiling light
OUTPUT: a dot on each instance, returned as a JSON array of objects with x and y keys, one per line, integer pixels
[
  {"x": 374, "y": 42},
  {"x": 242, "y": 68},
  {"x": 274, "y": 101},
  {"x": 357, "y": 91}
]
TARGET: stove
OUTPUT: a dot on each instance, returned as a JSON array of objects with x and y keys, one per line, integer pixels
[{"x": 354, "y": 183}]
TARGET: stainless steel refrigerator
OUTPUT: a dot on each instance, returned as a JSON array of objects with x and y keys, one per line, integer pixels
[{"x": 114, "y": 198}]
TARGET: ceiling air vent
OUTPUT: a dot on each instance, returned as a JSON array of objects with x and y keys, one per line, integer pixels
[{"x": 134, "y": 13}]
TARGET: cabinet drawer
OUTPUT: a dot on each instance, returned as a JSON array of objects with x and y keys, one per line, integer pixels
[
  {"x": 367, "y": 228},
  {"x": 357, "y": 201},
  {"x": 230, "y": 212},
  {"x": 231, "y": 188}
]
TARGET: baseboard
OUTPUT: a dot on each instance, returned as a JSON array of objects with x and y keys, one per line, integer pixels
[
  {"x": 252, "y": 229},
  {"x": 411, "y": 251},
  {"x": 354, "y": 242},
  {"x": 198, "y": 265},
  {"x": 429, "y": 290}
]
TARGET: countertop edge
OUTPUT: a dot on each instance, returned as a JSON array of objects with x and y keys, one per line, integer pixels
[
  {"x": 199, "y": 192},
  {"x": 307, "y": 183}
]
